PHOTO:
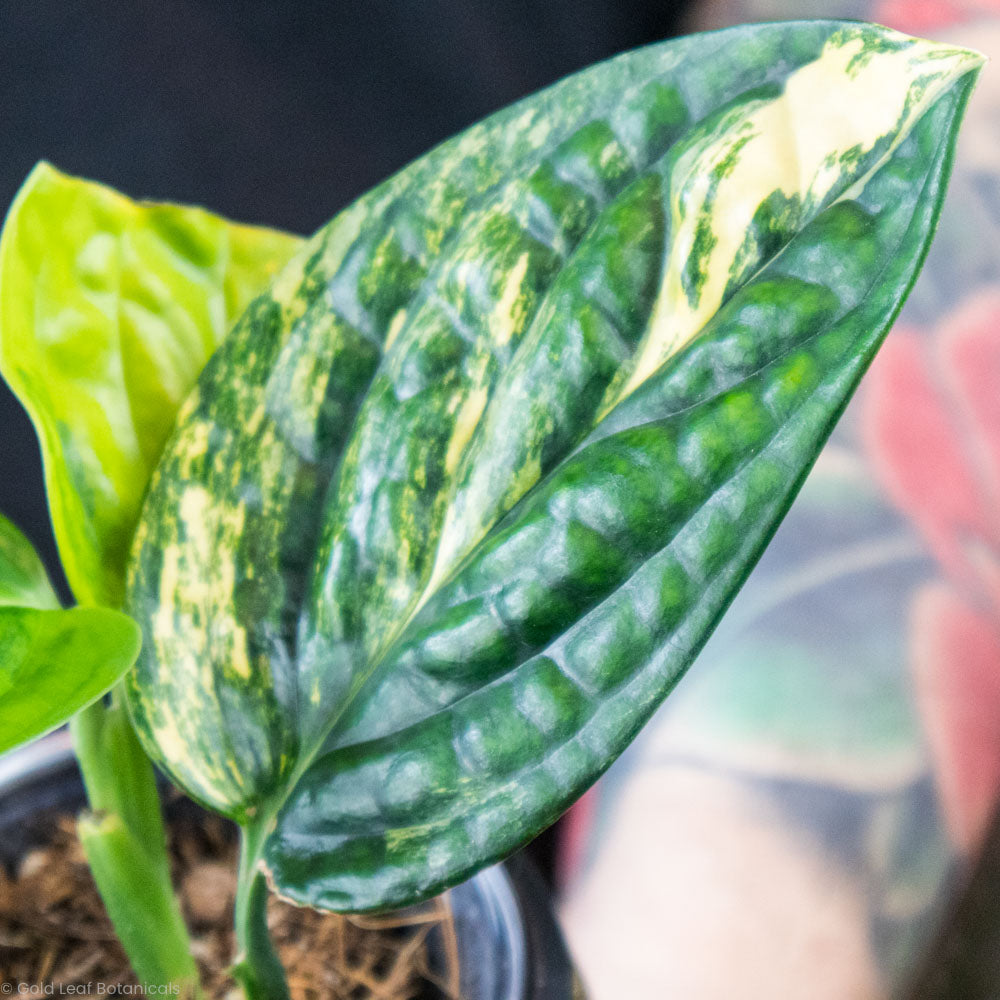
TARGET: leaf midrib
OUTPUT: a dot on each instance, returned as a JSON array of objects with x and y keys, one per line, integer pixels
[{"x": 266, "y": 818}]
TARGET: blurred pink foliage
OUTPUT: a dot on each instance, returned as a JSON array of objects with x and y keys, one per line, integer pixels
[
  {"x": 922, "y": 17},
  {"x": 932, "y": 428}
]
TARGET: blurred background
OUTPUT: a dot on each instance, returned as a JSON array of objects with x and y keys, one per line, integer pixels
[{"x": 806, "y": 815}]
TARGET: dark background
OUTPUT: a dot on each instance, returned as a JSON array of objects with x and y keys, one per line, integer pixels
[{"x": 269, "y": 112}]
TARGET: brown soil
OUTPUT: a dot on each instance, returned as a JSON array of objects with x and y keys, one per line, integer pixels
[{"x": 54, "y": 931}]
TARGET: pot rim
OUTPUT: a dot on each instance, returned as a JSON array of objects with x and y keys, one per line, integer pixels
[
  {"x": 29, "y": 765},
  {"x": 24, "y": 765}
]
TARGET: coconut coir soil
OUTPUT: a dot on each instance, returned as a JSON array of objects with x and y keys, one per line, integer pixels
[{"x": 54, "y": 932}]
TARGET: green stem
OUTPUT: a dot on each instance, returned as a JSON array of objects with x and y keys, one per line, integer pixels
[
  {"x": 257, "y": 968},
  {"x": 125, "y": 843}
]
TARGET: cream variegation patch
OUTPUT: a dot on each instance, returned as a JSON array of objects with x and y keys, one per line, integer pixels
[{"x": 802, "y": 145}]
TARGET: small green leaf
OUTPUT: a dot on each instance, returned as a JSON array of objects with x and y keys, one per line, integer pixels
[
  {"x": 23, "y": 580},
  {"x": 53, "y": 663},
  {"x": 108, "y": 310}
]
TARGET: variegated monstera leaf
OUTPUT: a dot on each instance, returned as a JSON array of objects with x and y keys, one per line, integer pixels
[{"x": 462, "y": 495}]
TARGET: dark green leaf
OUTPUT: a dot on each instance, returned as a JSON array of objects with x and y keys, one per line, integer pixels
[{"x": 460, "y": 499}]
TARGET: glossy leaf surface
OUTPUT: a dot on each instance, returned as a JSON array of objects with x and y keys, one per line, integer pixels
[
  {"x": 52, "y": 662},
  {"x": 108, "y": 310},
  {"x": 463, "y": 495}
]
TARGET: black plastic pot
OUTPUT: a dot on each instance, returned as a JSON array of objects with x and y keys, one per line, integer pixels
[{"x": 510, "y": 947}]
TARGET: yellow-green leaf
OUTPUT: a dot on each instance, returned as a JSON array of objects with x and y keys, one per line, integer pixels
[
  {"x": 52, "y": 662},
  {"x": 23, "y": 580},
  {"x": 109, "y": 309}
]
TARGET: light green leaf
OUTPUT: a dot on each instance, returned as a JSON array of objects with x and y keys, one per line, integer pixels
[
  {"x": 53, "y": 663},
  {"x": 109, "y": 308},
  {"x": 464, "y": 493},
  {"x": 23, "y": 580}
]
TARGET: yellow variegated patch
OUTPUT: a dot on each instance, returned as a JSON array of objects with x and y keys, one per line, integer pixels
[{"x": 809, "y": 145}]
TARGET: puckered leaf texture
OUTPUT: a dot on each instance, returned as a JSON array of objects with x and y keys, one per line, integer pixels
[{"x": 464, "y": 492}]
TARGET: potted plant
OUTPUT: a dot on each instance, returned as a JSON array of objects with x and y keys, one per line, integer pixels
[{"x": 421, "y": 519}]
